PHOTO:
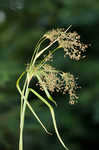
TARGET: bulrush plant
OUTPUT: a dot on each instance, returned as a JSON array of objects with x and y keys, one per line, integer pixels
[{"x": 49, "y": 78}]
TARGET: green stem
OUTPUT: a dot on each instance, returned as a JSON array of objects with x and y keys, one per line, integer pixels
[
  {"x": 37, "y": 48},
  {"x": 52, "y": 114},
  {"x": 22, "y": 93},
  {"x": 22, "y": 98},
  {"x": 22, "y": 118},
  {"x": 43, "y": 50}
]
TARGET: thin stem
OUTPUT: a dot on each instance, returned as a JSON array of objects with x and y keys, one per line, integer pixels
[
  {"x": 52, "y": 114},
  {"x": 18, "y": 87},
  {"x": 44, "y": 60},
  {"x": 68, "y": 28},
  {"x": 42, "y": 51},
  {"x": 22, "y": 119},
  {"x": 23, "y": 91},
  {"x": 37, "y": 47},
  {"x": 31, "y": 109}
]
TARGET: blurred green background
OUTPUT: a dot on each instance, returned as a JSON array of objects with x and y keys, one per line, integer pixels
[{"x": 22, "y": 23}]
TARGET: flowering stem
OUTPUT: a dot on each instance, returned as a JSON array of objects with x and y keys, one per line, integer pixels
[
  {"x": 37, "y": 47},
  {"x": 44, "y": 60},
  {"x": 42, "y": 51}
]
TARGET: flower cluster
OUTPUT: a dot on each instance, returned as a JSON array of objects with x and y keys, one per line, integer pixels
[
  {"x": 59, "y": 81},
  {"x": 70, "y": 87},
  {"x": 69, "y": 41},
  {"x": 51, "y": 79}
]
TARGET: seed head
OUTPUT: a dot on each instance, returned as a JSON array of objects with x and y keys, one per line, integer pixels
[
  {"x": 49, "y": 78},
  {"x": 52, "y": 79},
  {"x": 48, "y": 57},
  {"x": 59, "y": 81},
  {"x": 70, "y": 86},
  {"x": 72, "y": 46},
  {"x": 54, "y": 34},
  {"x": 70, "y": 42}
]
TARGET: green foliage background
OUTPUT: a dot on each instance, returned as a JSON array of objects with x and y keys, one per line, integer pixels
[{"x": 21, "y": 26}]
